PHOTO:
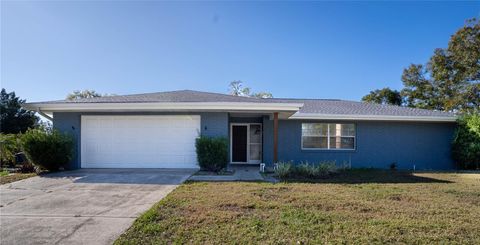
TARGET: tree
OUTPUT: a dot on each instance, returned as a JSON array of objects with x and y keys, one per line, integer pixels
[
  {"x": 262, "y": 95},
  {"x": 13, "y": 118},
  {"x": 9, "y": 146},
  {"x": 384, "y": 96},
  {"x": 418, "y": 90},
  {"x": 472, "y": 94},
  {"x": 466, "y": 142},
  {"x": 237, "y": 89},
  {"x": 77, "y": 94},
  {"x": 450, "y": 79}
]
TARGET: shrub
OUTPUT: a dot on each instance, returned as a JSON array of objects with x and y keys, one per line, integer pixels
[
  {"x": 305, "y": 170},
  {"x": 27, "y": 168},
  {"x": 49, "y": 150},
  {"x": 284, "y": 170},
  {"x": 326, "y": 168},
  {"x": 9, "y": 146},
  {"x": 212, "y": 153},
  {"x": 466, "y": 142}
]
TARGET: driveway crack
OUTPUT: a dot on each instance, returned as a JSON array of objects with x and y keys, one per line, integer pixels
[{"x": 75, "y": 228}]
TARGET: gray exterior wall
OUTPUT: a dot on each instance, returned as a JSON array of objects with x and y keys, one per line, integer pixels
[
  {"x": 245, "y": 120},
  {"x": 213, "y": 124},
  {"x": 70, "y": 123},
  {"x": 378, "y": 144}
]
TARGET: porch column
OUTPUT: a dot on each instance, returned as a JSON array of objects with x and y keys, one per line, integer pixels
[{"x": 275, "y": 137}]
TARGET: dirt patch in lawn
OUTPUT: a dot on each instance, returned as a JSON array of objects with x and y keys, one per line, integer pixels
[{"x": 15, "y": 177}]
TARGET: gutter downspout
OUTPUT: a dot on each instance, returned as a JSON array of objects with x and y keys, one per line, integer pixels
[{"x": 39, "y": 111}]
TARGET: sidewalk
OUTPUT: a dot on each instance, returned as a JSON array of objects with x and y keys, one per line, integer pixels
[{"x": 241, "y": 174}]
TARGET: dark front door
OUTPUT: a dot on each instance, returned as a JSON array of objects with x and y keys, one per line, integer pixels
[{"x": 239, "y": 143}]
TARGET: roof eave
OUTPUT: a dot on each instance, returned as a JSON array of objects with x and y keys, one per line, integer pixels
[
  {"x": 311, "y": 116},
  {"x": 163, "y": 106}
]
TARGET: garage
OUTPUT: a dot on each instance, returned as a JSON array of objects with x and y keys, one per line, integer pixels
[{"x": 149, "y": 141}]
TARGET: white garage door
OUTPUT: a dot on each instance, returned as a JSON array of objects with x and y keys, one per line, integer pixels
[{"x": 139, "y": 141}]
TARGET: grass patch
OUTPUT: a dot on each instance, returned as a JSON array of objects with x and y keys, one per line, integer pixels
[
  {"x": 360, "y": 207},
  {"x": 5, "y": 179}
]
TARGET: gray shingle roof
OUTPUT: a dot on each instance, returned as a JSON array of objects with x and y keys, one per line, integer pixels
[
  {"x": 344, "y": 107},
  {"x": 170, "y": 96},
  {"x": 311, "y": 106}
]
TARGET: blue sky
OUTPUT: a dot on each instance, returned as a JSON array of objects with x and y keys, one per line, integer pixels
[{"x": 292, "y": 49}]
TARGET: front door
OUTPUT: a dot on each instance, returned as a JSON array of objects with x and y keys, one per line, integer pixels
[
  {"x": 239, "y": 143},
  {"x": 246, "y": 143}
]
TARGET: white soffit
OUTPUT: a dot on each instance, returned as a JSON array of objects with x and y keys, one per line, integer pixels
[{"x": 177, "y": 106}]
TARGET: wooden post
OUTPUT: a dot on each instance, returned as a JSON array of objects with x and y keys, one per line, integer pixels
[{"x": 275, "y": 137}]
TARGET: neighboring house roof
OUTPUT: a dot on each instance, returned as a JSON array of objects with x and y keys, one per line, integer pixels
[{"x": 196, "y": 100}]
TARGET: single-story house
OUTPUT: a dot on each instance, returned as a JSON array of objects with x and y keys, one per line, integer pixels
[{"x": 158, "y": 130}]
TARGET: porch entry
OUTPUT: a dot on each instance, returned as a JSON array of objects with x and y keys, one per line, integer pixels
[{"x": 246, "y": 143}]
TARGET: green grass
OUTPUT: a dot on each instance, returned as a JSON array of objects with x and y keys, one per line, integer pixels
[
  {"x": 355, "y": 207},
  {"x": 5, "y": 179},
  {"x": 4, "y": 173}
]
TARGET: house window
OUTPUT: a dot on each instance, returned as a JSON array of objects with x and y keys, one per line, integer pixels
[{"x": 328, "y": 136}]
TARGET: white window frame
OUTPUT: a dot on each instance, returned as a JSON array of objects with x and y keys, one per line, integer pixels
[
  {"x": 328, "y": 138},
  {"x": 249, "y": 161}
]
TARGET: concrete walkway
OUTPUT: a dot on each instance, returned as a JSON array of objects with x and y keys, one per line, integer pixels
[
  {"x": 83, "y": 206},
  {"x": 242, "y": 173}
]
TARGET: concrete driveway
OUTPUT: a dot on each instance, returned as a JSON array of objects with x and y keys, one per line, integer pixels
[{"x": 88, "y": 206}]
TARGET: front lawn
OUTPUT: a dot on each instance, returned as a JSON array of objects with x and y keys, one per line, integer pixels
[
  {"x": 359, "y": 207},
  {"x": 9, "y": 178}
]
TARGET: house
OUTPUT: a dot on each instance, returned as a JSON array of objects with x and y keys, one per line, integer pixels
[{"x": 158, "y": 130}]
